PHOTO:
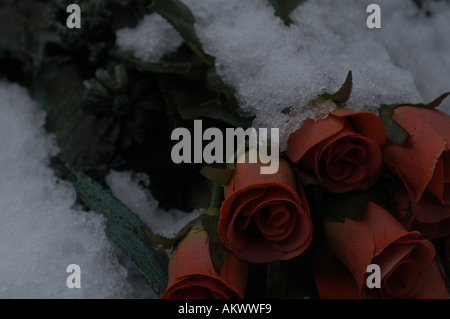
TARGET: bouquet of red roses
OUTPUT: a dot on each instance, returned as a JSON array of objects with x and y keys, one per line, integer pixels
[{"x": 359, "y": 208}]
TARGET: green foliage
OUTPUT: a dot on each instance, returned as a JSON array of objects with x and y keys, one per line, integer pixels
[
  {"x": 193, "y": 100},
  {"x": 218, "y": 252},
  {"x": 351, "y": 204},
  {"x": 395, "y": 133},
  {"x": 340, "y": 97},
  {"x": 433, "y": 104},
  {"x": 170, "y": 242},
  {"x": 343, "y": 94}
]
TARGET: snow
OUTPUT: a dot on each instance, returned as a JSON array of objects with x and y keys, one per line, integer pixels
[
  {"x": 41, "y": 229},
  {"x": 273, "y": 66},
  {"x": 150, "y": 39},
  {"x": 132, "y": 190}
]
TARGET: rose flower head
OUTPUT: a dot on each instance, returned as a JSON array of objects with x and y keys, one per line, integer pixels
[
  {"x": 405, "y": 259},
  {"x": 342, "y": 150},
  {"x": 192, "y": 274},
  {"x": 264, "y": 217},
  {"x": 422, "y": 162}
]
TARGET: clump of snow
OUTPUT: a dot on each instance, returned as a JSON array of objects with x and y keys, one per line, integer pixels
[
  {"x": 41, "y": 231},
  {"x": 273, "y": 66},
  {"x": 132, "y": 189},
  {"x": 150, "y": 39},
  {"x": 421, "y": 45}
]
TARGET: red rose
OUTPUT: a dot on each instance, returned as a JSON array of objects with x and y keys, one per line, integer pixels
[
  {"x": 264, "y": 217},
  {"x": 406, "y": 261},
  {"x": 192, "y": 274},
  {"x": 343, "y": 150},
  {"x": 423, "y": 162},
  {"x": 417, "y": 216}
]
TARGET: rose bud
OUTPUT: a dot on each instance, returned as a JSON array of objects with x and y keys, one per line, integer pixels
[
  {"x": 343, "y": 149},
  {"x": 264, "y": 217},
  {"x": 192, "y": 274},
  {"x": 405, "y": 259},
  {"x": 423, "y": 161}
]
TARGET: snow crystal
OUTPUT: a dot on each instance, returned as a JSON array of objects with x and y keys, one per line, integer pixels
[
  {"x": 41, "y": 231},
  {"x": 131, "y": 189},
  {"x": 150, "y": 39},
  {"x": 273, "y": 66}
]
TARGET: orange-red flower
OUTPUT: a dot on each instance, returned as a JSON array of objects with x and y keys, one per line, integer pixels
[
  {"x": 423, "y": 162},
  {"x": 417, "y": 216},
  {"x": 192, "y": 274},
  {"x": 406, "y": 260},
  {"x": 264, "y": 217},
  {"x": 343, "y": 150}
]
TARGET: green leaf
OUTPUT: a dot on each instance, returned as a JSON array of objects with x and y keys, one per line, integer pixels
[
  {"x": 215, "y": 83},
  {"x": 432, "y": 105},
  {"x": 394, "y": 132},
  {"x": 283, "y": 9},
  {"x": 353, "y": 204},
  {"x": 343, "y": 94},
  {"x": 287, "y": 110},
  {"x": 217, "y": 249},
  {"x": 193, "y": 100},
  {"x": 182, "y": 19},
  {"x": 158, "y": 239},
  {"x": 180, "y": 62},
  {"x": 220, "y": 176},
  {"x": 166, "y": 242},
  {"x": 340, "y": 97}
]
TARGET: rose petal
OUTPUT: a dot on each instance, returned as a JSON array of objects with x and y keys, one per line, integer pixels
[
  {"x": 346, "y": 140},
  {"x": 352, "y": 243},
  {"x": 192, "y": 275},
  {"x": 429, "y": 210},
  {"x": 198, "y": 287},
  {"x": 311, "y": 133},
  {"x": 403, "y": 280},
  {"x": 366, "y": 123},
  {"x": 333, "y": 280},
  {"x": 238, "y": 226},
  {"x": 391, "y": 256},
  {"x": 436, "y": 184},
  {"x": 280, "y": 232},
  {"x": 385, "y": 228},
  {"x": 248, "y": 175},
  {"x": 440, "y": 121},
  {"x": 415, "y": 161}
]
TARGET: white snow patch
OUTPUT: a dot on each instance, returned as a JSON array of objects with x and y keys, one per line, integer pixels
[
  {"x": 132, "y": 189},
  {"x": 273, "y": 66},
  {"x": 150, "y": 39},
  {"x": 41, "y": 231}
]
